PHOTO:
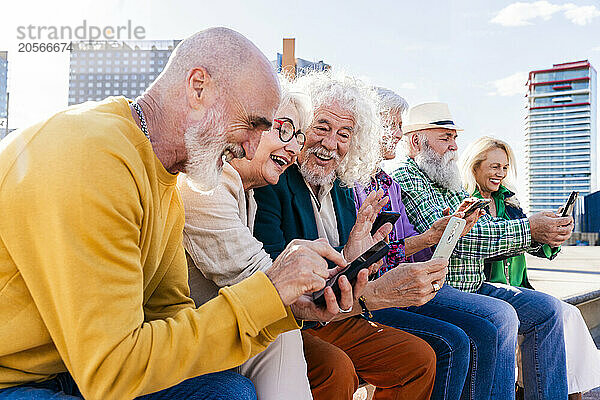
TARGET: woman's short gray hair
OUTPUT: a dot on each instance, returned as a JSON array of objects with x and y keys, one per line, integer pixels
[
  {"x": 389, "y": 101},
  {"x": 354, "y": 96},
  {"x": 300, "y": 101}
]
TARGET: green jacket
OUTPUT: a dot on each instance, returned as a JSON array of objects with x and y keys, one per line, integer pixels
[{"x": 513, "y": 269}]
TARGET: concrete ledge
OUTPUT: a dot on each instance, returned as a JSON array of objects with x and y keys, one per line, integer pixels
[
  {"x": 589, "y": 305},
  {"x": 583, "y": 298}
]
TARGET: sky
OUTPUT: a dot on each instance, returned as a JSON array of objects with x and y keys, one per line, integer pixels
[{"x": 473, "y": 55}]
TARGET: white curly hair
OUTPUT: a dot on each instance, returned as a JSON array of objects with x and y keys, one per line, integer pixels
[{"x": 359, "y": 99}]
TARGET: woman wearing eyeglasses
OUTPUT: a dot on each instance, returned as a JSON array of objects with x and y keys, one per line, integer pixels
[{"x": 221, "y": 250}]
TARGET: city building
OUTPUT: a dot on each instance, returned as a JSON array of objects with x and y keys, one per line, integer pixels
[
  {"x": 592, "y": 212},
  {"x": 3, "y": 86},
  {"x": 560, "y": 134},
  {"x": 288, "y": 63},
  {"x": 101, "y": 69}
]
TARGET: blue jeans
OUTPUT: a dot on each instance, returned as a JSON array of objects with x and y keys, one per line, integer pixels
[
  {"x": 491, "y": 318},
  {"x": 225, "y": 385},
  {"x": 543, "y": 347},
  {"x": 450, "y": 343}
]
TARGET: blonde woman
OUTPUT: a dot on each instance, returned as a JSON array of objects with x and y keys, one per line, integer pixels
[{"x": 488, "y": 168}]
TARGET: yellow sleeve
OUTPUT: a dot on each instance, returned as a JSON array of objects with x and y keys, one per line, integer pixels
[
  {"x": 71, "y": 220},
  {"x": 172, "y": 293}
]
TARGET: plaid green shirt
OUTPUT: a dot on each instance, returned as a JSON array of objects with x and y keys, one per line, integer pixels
[{"x": 425, "y": 202}]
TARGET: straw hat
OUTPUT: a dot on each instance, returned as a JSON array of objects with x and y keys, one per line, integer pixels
[{"x": 428, "y": 116}]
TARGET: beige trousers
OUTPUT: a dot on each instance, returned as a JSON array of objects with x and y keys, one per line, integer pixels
[{"x": 279, "y": 372}]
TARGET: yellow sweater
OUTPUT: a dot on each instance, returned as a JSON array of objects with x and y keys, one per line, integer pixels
[{"x": 93, "y": 276}]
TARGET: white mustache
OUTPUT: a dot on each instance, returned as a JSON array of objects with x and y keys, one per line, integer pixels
[
  {"x": 323, "y": 152},
  {"x": 451, "y": 155},
  {"x": 236, "y": 150}
]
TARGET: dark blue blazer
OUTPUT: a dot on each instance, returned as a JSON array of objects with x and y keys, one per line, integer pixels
[{"x": 285, "y": 212}]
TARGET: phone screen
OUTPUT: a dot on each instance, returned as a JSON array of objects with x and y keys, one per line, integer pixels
[
  {"x": 382, "y": 218},
  {"x": 480, "y": 203},
  {"x": 370, "y": 253},
  {"x": 374, "y": 254},
  {"x": 568, "y": 208}
]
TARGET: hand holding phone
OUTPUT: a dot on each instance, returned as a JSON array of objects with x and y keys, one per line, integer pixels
[
  {"x": 567, "y": 209},
  {"x": 475, "y": 205},
  {"x": 382, "y": 218},
  {"x": 374, "y": 254}
]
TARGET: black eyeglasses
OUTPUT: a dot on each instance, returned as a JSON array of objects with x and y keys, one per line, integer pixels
[{"x": 287, "y": 131}]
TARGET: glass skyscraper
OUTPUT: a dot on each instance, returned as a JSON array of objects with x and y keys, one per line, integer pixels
[
  {"x": 102, "y": 69},
  {"x": 3, "y": 84},
  {"x": 560, "y": 134}
]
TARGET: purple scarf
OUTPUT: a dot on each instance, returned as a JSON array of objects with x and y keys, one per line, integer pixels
[{"x": 402, "y": 228}]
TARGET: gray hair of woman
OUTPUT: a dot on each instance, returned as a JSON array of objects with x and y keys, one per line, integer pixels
[
  {"x": 354, "y": 96},
  {"x": 300, "y": 101},
  {"x": 390, "y": 101},
  {"x": 390, "y": 104}
]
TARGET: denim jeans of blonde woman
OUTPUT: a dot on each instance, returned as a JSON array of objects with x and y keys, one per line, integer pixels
[
  {"x": 279, "y": 372},
  {"x": 583, "y": 358},
  {"x": 492, "y": 318}
]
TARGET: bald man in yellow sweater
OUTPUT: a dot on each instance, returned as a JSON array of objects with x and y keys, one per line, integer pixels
[{"x": 94, "y": 299}]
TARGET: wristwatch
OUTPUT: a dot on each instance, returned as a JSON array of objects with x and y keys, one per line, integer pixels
[{"x": 363, "y": 304}]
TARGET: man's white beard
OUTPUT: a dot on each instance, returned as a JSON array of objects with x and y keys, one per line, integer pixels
[
  {"x": 316, "y": 175},
  {"x": 442, "y": 170},
  {"x": 205, "y": 143}
]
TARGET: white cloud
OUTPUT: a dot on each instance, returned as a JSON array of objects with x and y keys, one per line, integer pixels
[
  {"x": 521, "y": 14},
  {"x": 408, "y": 85},
  {"x": 582, "y": 15},
  {"x": 413, "y": 47},
  {"x": 509, "y": 86}
]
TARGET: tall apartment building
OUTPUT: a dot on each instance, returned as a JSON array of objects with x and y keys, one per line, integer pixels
[
  {"x": 3, "y": 93},
  {"x": 101, "y": 69},
  {"x": 3, "y": 84},
  {"x": 560, "y": 134}
]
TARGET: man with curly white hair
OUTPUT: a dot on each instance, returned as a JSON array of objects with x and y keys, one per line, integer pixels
[{"x": 314, "y": 200}]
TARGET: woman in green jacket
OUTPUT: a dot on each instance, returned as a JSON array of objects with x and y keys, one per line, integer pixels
[{"x": 489, "y": 170}]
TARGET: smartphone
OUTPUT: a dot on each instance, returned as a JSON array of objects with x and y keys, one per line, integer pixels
[
  {"x": 371, "y": 256},
  {"x": 476, "y": 205},
  {"x": 568, "y": 207},
  {"x": 382, "y": 218},
  {"x": 449, "y": 238}
]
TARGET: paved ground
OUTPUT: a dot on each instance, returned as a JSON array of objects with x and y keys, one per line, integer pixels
[{"x": 574, "y": 271}]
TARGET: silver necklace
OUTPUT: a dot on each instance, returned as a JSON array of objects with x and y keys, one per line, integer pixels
[{"x": 140, "y": 114}]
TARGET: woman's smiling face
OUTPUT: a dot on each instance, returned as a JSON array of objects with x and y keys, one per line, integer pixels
[
  {"x": 491, "y": 171},
  {"x": 273, "y": 156}
]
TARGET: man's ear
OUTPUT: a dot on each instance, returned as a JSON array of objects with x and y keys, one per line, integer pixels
[
  {"x": 415, "y": 142},
  {"x": 197, "y": 82}
]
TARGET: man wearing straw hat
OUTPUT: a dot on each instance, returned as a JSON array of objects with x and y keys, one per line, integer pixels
[{"x": 431, "y": 182}]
